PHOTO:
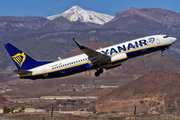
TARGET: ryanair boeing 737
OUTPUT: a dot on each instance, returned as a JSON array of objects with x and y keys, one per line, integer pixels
[{"x": 104, "y": 58}]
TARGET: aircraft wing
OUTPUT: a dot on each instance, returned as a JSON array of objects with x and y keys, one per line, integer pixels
[{"x": 95, "y": 57}]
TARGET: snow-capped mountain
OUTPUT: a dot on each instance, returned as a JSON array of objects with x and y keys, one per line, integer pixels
[{"x": 76, "y": 13}]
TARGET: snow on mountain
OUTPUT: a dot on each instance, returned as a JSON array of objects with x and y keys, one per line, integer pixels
[{"x": 76, "y": 13}]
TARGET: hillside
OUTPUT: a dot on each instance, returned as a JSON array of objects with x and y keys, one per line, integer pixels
[
  {"x": 2, "y": 99},
  {"x": 146, "y": 20},
  {"x": 159, "y": 87}
]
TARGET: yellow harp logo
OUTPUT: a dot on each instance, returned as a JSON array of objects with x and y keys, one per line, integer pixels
[{"x": 19, "y": 58}]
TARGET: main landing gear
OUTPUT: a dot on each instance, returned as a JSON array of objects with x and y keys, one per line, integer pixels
[{"x": 98, "y": 72}]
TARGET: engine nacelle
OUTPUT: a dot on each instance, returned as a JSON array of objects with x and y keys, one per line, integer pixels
[
  {"x": 119, "y": 58},
  {"x": 116, "y": 60}
]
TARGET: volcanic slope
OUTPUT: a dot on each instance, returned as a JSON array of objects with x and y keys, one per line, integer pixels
[
  {"x": 2, "y": 99},
  {"x": 158, "y": 87},
  {"x": 76, "y": 13},
  {"x": 146, "y": 20}
]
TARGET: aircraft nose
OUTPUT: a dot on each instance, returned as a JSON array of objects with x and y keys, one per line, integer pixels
[{"x": 173, "y": 39}]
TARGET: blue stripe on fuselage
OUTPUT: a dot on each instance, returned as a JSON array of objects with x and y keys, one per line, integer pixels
[
  {"x": 145, "y": 51},
  {"x": 61, "y": 72}
]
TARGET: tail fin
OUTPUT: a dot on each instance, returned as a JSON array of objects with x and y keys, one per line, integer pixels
[{"x": 21, "y": 59}]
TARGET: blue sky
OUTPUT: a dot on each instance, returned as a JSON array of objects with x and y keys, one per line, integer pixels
[{"x": 52, "y": 7}]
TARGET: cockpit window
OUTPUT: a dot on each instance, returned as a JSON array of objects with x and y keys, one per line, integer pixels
[{"x": 165, "y": 36}]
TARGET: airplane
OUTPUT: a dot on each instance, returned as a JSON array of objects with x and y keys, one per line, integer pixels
[{"x": 103, "y": 58}]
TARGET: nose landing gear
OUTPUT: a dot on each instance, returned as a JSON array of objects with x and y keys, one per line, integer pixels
[
  {"x": 98, "y": 72},
  {"x": 162, "y": 53}
]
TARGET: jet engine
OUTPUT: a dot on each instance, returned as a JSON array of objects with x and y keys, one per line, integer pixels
[{"x": 116, "y": 60}]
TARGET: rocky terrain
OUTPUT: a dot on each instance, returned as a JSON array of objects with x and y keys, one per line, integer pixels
[{"x": 158, "y": 87}]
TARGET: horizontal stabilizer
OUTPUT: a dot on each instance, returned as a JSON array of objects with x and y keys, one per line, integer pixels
[{"x": 23, "y": 72}]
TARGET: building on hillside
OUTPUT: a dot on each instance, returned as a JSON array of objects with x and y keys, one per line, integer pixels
[
  {"x": 33, "y": 110},
  {"x": 2, "y": 91},
  {"x": 40, "y": 110},
  {"x": 1, "y": 111},
  {"x": 26, "y": 110},
  {"x": 8, "y": 90},
  {"x": 15, "y": 111},
  {"x": 66, "y": 97},
  {"x": 55, "y": 97},
  {"x": 103, "y": 86}
]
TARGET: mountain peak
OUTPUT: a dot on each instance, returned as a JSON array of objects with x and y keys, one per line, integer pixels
[
  {"x": 76, "y": 7},
  {"x": 76, "y": 13},
  {"x": 159, "y": 15},
  {"x": 133, "y": 8}
]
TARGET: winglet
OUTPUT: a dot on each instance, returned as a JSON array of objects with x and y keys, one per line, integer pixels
[{"x": 78, "y": 44}]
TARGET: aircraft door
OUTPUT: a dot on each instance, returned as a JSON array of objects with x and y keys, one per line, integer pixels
[
  {"x": 158, "y": 40},
  {"x": 45, "y": 74}
]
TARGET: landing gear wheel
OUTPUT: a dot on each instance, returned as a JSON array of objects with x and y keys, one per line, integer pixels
[
  {"x": 100, "y": 70},
  {"x": 162, "y": 54},
  {"x": 97, "y": 74}
]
